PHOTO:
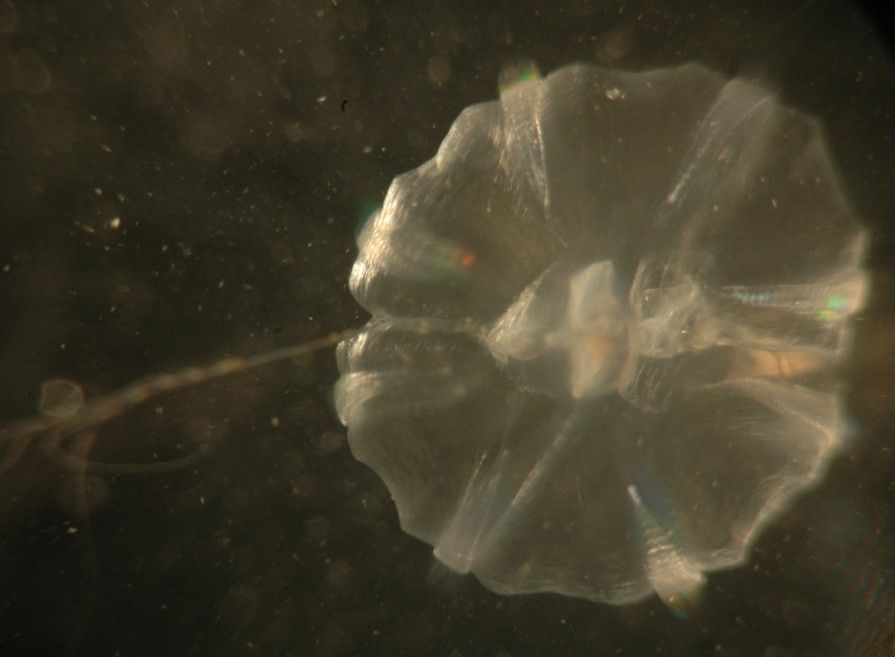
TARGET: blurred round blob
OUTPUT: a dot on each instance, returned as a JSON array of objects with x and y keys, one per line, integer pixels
[
  {"x": 30, "y": 73},
  {"x": 439, "y": 70},
  {"x": 614, "y": 45},
  {"x": 608, "y": 318},
  {"x": 60, "y": 398}
]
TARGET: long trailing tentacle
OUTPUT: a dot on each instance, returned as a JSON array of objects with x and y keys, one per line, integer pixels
[{"x": 53, "y": 433}]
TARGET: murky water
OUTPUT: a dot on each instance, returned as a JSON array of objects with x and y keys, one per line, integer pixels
[{"x": 183, "y": 182}]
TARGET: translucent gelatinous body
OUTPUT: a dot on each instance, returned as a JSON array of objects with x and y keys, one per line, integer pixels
[{"x": 607, "y": 320}]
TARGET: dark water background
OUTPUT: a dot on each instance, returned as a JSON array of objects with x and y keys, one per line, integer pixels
[{"x": 179, "y": 181}]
